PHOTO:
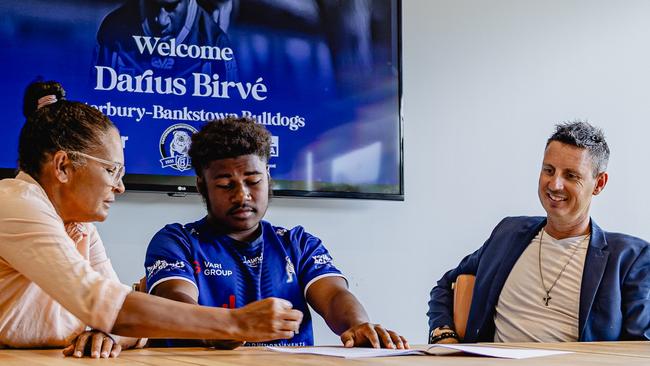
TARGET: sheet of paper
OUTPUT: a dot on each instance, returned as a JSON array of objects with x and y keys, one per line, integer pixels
[
  {"x": 347, "y": 352},
  {"x": 514, "y": 353}
]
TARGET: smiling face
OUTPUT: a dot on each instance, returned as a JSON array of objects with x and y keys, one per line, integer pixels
[
  {"x": 89, "y": 193},
  {"x": 237, "y": 194},
  {"x": 566, "y": 186}
]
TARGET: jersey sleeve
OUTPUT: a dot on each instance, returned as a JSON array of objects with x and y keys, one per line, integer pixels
[
  {"x": 169, "y": 257},
  {"x": 315, "y": 261}
]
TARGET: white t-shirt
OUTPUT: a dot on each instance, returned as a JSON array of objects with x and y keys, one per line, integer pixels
[
  {"x": 49, "y": 290},
  {"x": 521, "y": 314}
]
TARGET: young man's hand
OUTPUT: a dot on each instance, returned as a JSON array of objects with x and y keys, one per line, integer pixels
[{"x": 373, "y": 335}]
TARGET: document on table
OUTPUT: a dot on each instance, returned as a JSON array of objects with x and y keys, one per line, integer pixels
[{"x": 436, "y": 349}]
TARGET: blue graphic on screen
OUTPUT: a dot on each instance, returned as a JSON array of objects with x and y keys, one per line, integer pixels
[{"x": 323, "y": 79}]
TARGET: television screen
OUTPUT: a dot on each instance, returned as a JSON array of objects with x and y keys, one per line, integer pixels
[{"x": 323, "y": 76}]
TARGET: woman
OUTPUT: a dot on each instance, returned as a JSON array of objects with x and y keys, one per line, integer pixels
[{"x": 55, "y": 277}]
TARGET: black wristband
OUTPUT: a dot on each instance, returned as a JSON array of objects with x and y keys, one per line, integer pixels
[{"x": 435, "y": 339}]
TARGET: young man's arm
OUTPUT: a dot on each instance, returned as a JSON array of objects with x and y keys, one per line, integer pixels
[
  {"x": 177, "y": 290},
  {"x": 346, "y": 316}
]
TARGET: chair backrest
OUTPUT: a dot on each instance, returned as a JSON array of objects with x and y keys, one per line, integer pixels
[
  {"x": 463, "y": 289},
  {"x": 140, "y": 286}
]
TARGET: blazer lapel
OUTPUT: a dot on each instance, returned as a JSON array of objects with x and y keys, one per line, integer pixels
[
  {"x": 592, "y": 273},
  {"x": 519, "y": 243}
]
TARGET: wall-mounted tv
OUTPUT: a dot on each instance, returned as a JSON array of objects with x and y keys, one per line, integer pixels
[{"x": 323, "y": 76}]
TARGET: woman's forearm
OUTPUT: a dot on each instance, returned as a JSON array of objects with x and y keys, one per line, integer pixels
[
  {"x": 155, "y": 317},
  {"x": 148, "y": 316}
]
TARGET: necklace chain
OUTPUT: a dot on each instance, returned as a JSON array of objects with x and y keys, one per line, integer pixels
[{"x": 548, "y": 297}]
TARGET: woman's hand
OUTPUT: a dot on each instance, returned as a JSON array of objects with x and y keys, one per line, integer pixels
[
  {"x": 95, "y": 344},
  {"x": 79, "y": 235}
]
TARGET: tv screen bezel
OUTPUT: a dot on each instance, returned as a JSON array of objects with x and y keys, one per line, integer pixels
[{"x": 185, "y": 184}]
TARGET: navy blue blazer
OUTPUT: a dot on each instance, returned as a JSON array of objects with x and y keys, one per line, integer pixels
[{"x": 614, "y": 295}]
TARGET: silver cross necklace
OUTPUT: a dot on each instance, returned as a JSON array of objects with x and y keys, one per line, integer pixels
[{"x": 548, "y": 297}]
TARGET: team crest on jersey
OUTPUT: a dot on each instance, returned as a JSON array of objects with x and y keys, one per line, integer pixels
[
  {"x": 174, "y": 147},
  {"x": 289, "y": 268},
  {"x": 280, "y": 231}
]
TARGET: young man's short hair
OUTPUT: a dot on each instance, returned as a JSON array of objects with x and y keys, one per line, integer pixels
[{"x": 229, "y": 138}]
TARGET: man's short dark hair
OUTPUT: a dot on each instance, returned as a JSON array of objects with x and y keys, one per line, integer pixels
[
  {"x": 229, "y": 138},
  {"x": 585, "y": 136}
]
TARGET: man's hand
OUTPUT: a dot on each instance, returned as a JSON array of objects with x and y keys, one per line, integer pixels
[
  {"x": 266, "y": 320},
  {"x": 373, "y": 335},
  {"x": 100, "y": 345},
  {"x": 346, "y": 316}
]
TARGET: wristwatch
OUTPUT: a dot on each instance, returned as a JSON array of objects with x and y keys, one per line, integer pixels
[{"x": 441, "y": 333}]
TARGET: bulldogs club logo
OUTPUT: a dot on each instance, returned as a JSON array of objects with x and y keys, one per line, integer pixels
[{"x": 174, "y": 146}]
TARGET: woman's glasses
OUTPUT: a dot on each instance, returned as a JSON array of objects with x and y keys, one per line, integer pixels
[{"x": 116, "y": 170}]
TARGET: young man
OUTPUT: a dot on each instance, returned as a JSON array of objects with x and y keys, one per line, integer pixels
[
  {"x": 232, "y": 258},
  {"x": 123, "y": 34},
  {"x": 558, "y": 278}
]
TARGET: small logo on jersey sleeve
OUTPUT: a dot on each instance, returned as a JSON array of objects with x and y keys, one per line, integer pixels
[
  {"x": 291, "y": 271},
  {"x": 322, "y": 260},
  {"x": 162, "y": 264}
]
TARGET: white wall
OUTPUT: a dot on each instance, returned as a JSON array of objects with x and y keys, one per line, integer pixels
[{"x": 484, "y": 82}]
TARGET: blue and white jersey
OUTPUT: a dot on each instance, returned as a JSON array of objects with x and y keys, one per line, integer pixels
[
  {"x": 125, "y": 44},
  {"x": 279, "y": 263}
]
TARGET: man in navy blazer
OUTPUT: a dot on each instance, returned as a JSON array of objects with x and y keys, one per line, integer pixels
[{"x": 554, "y": 278}]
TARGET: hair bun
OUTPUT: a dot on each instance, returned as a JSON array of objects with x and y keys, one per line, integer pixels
[{"x": 41, "y": 93}]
